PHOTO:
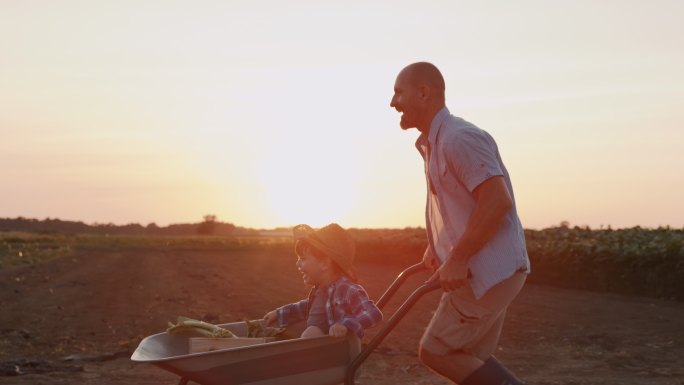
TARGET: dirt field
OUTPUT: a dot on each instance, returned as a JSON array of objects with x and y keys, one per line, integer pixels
[{"x": 96, "y": 306}]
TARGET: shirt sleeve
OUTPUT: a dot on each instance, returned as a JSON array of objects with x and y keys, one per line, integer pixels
[
  {"x": 363, "y": 312},
  {"x": 472, "y": 156},
  {"x": 292, "y": 313}
]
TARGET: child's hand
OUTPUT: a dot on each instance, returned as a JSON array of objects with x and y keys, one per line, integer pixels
[
  {"x": 271, "y": 317},
  {"x": 338, "y": 330}
]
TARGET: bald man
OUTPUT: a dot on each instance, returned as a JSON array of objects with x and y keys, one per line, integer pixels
[{"x": 476, "y": 243}]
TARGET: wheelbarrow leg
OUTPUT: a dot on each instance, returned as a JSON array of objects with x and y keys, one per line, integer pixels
[{"x": 388, "y": 327}]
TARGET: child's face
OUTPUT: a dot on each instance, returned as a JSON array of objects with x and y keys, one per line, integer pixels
[{"x": 313, "y": 269}]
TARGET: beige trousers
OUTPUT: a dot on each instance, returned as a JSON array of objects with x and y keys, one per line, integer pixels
[{"x": 465, "y": 324}]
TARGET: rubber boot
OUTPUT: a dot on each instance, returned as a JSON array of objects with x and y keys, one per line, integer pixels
[{"x": 491, "y": 373}]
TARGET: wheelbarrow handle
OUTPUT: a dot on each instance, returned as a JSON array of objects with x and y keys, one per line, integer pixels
[
  {"x": 403, "y": 276},
  {"x": 430, "y": 285}
]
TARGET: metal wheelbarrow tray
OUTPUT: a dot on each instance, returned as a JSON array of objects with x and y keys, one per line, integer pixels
[{"x": 312, "y": 361}]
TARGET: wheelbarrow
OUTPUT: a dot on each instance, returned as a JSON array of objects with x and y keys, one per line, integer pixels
[{"x": 315, "y": 361}]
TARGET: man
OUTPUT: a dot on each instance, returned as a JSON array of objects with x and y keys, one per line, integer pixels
[{"x": 476, "y": 242}]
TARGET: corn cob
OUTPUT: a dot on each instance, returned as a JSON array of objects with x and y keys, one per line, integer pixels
[{"x": 187, "y": 325}]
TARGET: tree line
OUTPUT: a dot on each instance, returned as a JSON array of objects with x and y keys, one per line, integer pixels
[{"x": 209, "y": 226}]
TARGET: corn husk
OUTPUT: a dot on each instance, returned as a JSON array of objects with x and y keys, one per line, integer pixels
[
  {"x": 189, "y": 326},
  {"x": 255, "y": 329}
]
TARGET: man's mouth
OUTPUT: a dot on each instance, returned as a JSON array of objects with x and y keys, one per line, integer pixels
[{"x": 404, "y": 122}]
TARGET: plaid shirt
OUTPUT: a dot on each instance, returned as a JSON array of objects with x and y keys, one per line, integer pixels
[{"x": 347, "y": 304}]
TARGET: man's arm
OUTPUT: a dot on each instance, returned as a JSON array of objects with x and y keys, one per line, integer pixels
[
  {"x": 430, "y": 261},
  {"x": 492, "y": 203}
]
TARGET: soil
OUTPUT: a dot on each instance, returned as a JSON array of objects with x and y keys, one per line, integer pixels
[{"x": 76, "y": 320}]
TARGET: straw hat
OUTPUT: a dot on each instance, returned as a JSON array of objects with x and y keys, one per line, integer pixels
[{"x": 332, "y": 240}]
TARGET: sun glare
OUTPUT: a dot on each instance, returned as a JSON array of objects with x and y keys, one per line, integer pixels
[{"x": 309, "y": 187}]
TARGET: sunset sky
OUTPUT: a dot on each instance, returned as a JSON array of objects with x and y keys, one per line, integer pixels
[{"x": 273, "y": 113}]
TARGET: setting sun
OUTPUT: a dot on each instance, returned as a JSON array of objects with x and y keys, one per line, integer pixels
[{"x": 309, "y": 185}]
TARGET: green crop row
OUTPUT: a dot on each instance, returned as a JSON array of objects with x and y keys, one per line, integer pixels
[{"x": 635, "y": 261}]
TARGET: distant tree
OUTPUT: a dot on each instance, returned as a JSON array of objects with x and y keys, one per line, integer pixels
[
  {"x": 152, "y": 228},
  {"x": 208, "y": 226}
]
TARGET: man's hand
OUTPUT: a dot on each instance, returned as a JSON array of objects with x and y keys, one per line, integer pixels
[
  {"x": 271, "y": 317},
  {"x": 453, "y": 274},
  {"x": 338, "y": 330},
  {"x": 430, "y": 260}
]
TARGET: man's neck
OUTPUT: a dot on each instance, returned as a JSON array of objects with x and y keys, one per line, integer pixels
[{"x": 424, "y": 127}]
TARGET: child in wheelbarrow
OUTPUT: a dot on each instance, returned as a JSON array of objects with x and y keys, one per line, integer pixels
[{"x": 336, "y": 305}]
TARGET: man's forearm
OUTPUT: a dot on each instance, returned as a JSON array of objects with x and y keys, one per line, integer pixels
[{"x": 492, "y": 204}]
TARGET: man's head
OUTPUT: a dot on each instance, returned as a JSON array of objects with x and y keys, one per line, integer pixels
[{"x": 418, "y": 95}]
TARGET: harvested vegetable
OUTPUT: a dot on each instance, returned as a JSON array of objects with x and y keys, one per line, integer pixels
[
  {"x": 189, "y": 326},
  {"x": 256, "y": 329}
]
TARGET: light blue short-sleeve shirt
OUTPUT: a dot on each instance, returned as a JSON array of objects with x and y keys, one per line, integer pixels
[{"x": 458, "y": 157}]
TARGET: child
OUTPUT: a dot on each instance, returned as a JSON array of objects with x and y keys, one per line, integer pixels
[{"x": 336, "y": 304}]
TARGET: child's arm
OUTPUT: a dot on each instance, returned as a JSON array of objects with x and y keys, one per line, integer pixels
[
  {"x": 292, "y": 313},
  {"x": 364, "y": 314},
  {"x": 271, "y": 317}
]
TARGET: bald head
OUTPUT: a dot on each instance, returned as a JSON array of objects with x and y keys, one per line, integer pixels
[
  {"x": 426, "y": 74},
  {"x": 418, "y": 95}
]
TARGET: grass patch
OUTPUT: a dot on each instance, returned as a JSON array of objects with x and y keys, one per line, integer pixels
[
  {"x": 218, "y": 243},
  {"x": 23, "y": 248}
]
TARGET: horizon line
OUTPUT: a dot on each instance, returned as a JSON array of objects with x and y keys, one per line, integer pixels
[{"x": 560, "y": 224}]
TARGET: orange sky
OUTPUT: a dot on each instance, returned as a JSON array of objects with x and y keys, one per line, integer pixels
[{"x": 270, "y": 114}]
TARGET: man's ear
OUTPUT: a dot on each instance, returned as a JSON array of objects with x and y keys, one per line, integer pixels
[{"x": 424, "y": 92}]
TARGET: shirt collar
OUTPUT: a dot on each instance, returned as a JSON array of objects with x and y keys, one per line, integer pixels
[
  {"x": 339, "y": 281},
  {"x": 436, "y": 124},
  {"x": 431, "y": 138}
]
